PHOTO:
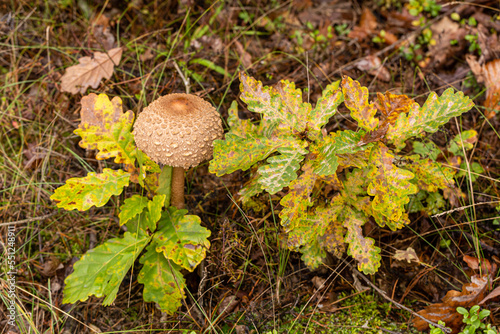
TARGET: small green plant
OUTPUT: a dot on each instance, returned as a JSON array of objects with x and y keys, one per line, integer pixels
[
  {"x": 413, "y": 52},
  {"x": 380, "y": 38},
  {"x": 473, "y": 319},
  {"x": 435, "y": 330},
  {"x": 172, "y": 240},
  {"x": 416, "y": 7},
  {"x": 312, "y": 38},
  {"x": 331, "y": 184},
  {"x": 474, "y": 45},
  {"x": 342, "y": 29}
]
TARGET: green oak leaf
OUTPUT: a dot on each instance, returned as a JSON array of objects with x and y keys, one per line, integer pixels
[
  {"x": 430, "y": 175},
  {"x": 235, "y": 153},
  {"x": 360, "y": 248},
  {"x": 327, "y": 150},
  {"x": 427, "y": 149},
  {"x": 389, "y": 184},
  {"x": 106, "y": 128},
  {"x": 251, "y": 188},
  {"x": 356, "y": 100},
  {"x": 162, "y": 279},
  {"x": 131, "y": 207},
  {"x": 435, "y": 112},
  {"x": 466, "y": 138},
  {"x": 181, "y": 238},
  {"x": 281, "y": 169},
  {"x": 93, "y": 189},
  {"x": 101, "y": 270},
  {"x": 331, "y": 237},
  {"x": 153, "y": 214},
  {"x": 325, "y": 108},
  {"x": 147, "y": 168}
]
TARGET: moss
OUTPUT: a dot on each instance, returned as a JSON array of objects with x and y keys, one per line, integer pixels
[{"x": 363, "y": 313}]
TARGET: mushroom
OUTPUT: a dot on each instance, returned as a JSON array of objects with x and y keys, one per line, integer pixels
[{"x": 178, "y": 130}]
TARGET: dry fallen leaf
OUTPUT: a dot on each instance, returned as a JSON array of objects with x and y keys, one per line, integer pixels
[
  {"x": 443, "y": 32},
  {"x": 319, "y": 282},
  {"x": 473, "y": 263},
  {"x": 492, "y": 82},
  {"x": 489, "y": 74},
  {"x": 228, "y": 304},
  {"x": 493, "y": 294},
  {"x": 245, "y": 57},
  {"x": 367, "y": 26},
  {"x": 373, "y": 65},
  {"x": 90, "y": 71},
  {"x": 101, "y": 33},
  {"x": 409, "y": 255},
  {"x": 471, "y": 294}
]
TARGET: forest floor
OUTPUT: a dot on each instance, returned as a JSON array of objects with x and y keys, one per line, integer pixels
[{"x": 249, "y": 282}]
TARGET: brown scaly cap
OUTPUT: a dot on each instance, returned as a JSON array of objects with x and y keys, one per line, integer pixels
[{"x": 178, "y": 130}]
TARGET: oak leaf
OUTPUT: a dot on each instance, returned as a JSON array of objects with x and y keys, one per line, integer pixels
[
  {"x": 472, "y": 294},
  {"x": 90, "y": 71}
]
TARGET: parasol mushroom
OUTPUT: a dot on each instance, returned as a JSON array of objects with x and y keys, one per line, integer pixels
[{"x": 178, "y": 130}]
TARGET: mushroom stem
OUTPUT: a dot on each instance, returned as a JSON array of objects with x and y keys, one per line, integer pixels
[{"x": 177, "y": 195}]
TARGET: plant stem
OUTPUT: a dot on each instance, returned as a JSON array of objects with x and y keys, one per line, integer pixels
[{"x": 177, "y": 195}]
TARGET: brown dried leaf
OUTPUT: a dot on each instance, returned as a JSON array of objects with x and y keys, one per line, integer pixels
[
  {"x": 473, "y": 263},
  {"x": 319, "y": 282},
  {"x": 90, "y": 71},
  {"x": 101, "y": 33},
  {"x": 443, "y": 32},
  {"x": 228, "y": 304},
  {"x": 472, "y": 293},
  {"x": 373, "y": 65},
  {"x": 475, "y": 67},
  {"x": 367, "y": 25},
  {"x": 493, "y": 294},
  {"x": 409, "y": 255},
  {"x": 245, "y": 57},
  {"x": 491, "y": 72}
]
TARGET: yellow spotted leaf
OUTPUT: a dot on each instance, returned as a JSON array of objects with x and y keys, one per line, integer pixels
[
  {"x": 281, "y": 105},
  {"x": 389, "y": 184},
  {"x": 94, "y": 189},
  {"x": 356, "y": 100},
  {"x": 181, "y": 238},
  {"x": 435, "y": 112},
  {"x": 162, "y": 279},
  {"x": 104, "y": 127},
  {"x": 362, "y": 249},
  {"x": 298, "y": 199}
]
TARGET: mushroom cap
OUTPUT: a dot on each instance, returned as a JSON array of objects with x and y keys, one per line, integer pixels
[{"x": 178, "y": 130}]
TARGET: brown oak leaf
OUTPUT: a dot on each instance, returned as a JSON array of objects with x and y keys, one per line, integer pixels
[
  {"x": 90, "y": 71},
  {"x": 472, "y": 293}
]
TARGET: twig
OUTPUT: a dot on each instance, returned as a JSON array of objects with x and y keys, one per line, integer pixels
[
  {"x": 29, "y": 220},
  {"x": 186, "y": 81},
  {"x": 401, "y": 306},
  {"x": 463, "y": 208}
]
